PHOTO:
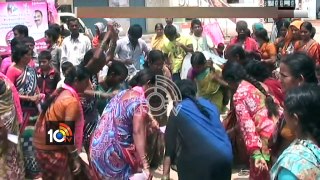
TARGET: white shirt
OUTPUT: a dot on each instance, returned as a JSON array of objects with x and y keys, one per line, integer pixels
[
  {"x": 203, "y": 43},
  {"x": 125, "y": 51},
  {"x": 73, "y": 50}
]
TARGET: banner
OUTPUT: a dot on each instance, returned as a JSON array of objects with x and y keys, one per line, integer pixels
[{"x": 34, "y": 15}]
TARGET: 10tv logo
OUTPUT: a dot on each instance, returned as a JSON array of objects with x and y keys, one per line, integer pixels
[{"x": 60, "y": 133}]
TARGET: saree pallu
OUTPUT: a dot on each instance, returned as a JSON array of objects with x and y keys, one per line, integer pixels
[
  {"x": 311, "y": 48},
  {"x": 11, "y": 161},
  {"x": 31, "y": 166},
  {"x": 26, "y": 84},
  {"x": 158, "y": 42},
  {"x": 113, "y": 135},
  {"x": 59, "y": 161},
  {"x": 91, "y": 115},
  {"x": 62, "y": 165}
]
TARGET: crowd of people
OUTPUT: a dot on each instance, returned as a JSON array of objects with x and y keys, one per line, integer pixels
[{"x": 268, "y": 89}]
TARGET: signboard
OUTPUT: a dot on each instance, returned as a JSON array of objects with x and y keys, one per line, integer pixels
[{"x": 34, "y": 15}]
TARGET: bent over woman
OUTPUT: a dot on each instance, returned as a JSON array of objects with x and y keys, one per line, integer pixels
[{"x": 205, "y": 150}]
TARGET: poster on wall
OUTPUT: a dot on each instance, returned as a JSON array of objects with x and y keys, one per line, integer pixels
[{"x": 34, "y": 15}]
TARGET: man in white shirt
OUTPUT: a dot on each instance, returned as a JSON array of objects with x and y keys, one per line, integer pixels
[
  {"x": 75, "y": 46},
  {"x": 131, "y": 49}
]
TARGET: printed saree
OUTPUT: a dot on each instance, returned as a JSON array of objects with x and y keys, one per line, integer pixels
[
  {"x": 26, "y": 84},
  {"x": 311, "y": 48},
  {"x": 11, "y": 162},
  {"x": 301, "y": 158}
]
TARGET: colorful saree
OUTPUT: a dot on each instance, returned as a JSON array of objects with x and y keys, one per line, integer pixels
[
  {"x": 210, "y": 89},
  {"x": 26, "y": 84},
  {"x": 256, "y": 126},
  {"x": 158, "y": 42},
  {"x": 55, "y": 160},
  {"x": 113, "y": 133},
  {"x": 301, "y": 159},
  {"x": 11, "y": 163},
  {"x": 268, "y": 51},
  {"x": 288, "y": 47},
  {"x": 91, "y": 114},
  {"x": 311, "y": 48}
]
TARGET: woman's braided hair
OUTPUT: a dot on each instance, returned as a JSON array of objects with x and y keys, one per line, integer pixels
[
  {"x": 270, "y": 104},
  {"x": 234, "y": 72}
]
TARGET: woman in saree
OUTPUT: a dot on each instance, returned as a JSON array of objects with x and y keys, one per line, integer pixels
[
  {"x": 257, "y": 113},
  {"x": 25, "y": 80},
  {"x": 159, "y": 38},
  {"x": 89, "y": 102},
  {"x": 11, "y": 157},
  {"x": 295, "y": 70},
  {"x": 260, "y": 72},
  {"x": 208, "y": 80},
  {"x": 307, "y": 44},
  {"x": 63, "y": 106},
  {"x": 293, "y": 35},
  {"x": 118, "y": 146},
  {"x": 156, "y": 63},
  {"x": 158, "y": 106},
  {"x": 267, "y": 49},
  {"x": 283, "y": 29},
  {"x": 204, "y": 148},
  {"x": 300, "y": 161}
]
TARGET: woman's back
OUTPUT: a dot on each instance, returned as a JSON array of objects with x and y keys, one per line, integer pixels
[
  {"x": 205, "y": 149},
  {"x": 115, "y": 132},
  {"x": 210, "y": 132}
]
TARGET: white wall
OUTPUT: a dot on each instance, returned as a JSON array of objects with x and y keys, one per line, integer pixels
[{"x": 310, "y": 6}]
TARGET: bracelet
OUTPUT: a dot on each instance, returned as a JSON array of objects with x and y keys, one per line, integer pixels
[{"x": 257, "y": 156}]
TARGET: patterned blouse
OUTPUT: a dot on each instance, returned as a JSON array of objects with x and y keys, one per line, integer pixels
[
  {"x": 301, "y": 158},
  {"x": 252, "y": 115}
]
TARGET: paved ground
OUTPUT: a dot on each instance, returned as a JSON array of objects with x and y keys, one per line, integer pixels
[{"x": 174, "y": 176}]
